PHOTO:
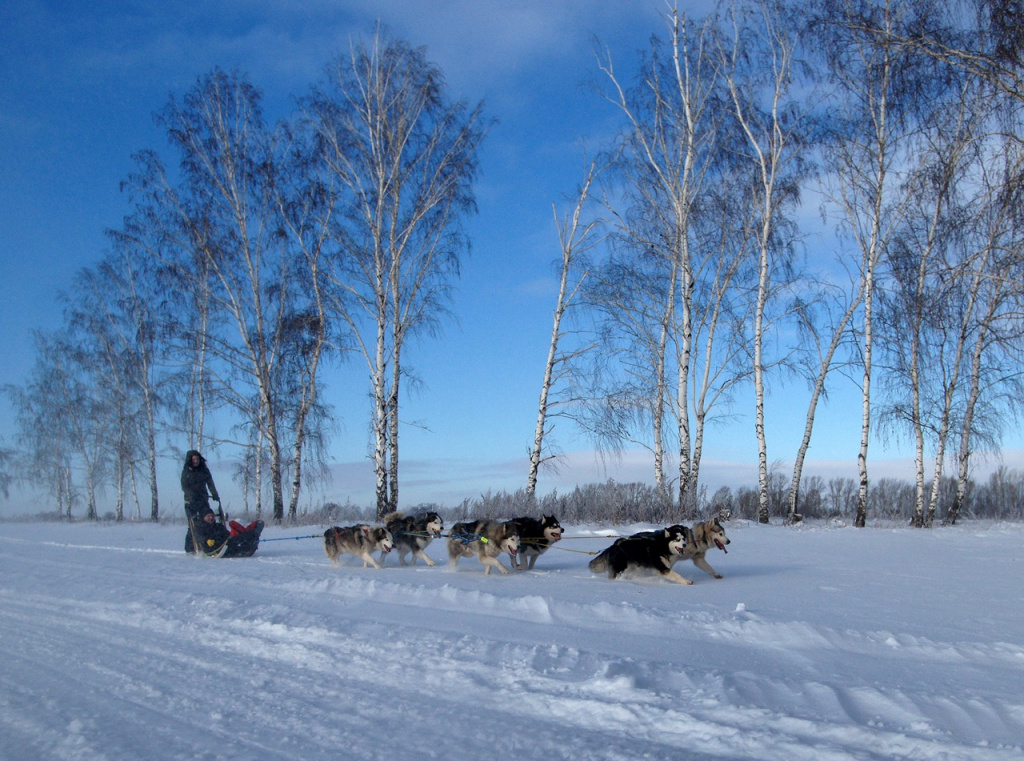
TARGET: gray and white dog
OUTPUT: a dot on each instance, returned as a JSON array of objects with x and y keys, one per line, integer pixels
[
  {"x": 703, "y": 537},
  {"x": 487, "y": 540},
  {"x": 361, "y": 541}
]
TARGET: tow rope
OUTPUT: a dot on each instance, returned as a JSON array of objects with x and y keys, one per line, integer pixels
[
  {"x": 467, "y": 538},
  {"x": 583, "y": 552},
  {"x": 426, "y": 534}
]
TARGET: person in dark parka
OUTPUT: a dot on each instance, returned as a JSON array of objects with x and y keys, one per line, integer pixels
[
  {"x": 210, "y": 535},
  {"x": 198, "y": 487}
]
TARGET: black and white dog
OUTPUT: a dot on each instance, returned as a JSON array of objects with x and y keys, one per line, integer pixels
[
  {"x": 535, "y": 538},
  {"x": 650, "y": 551},
  {"x": 413, "y": 533}
]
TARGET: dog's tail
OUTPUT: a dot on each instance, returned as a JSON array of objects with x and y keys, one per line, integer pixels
[
  {"x": 330, "y": 538},
  {"x": 600, "y": 563}
]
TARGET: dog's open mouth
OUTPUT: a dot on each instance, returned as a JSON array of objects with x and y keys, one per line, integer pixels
[{"x": 719, "y": 545}]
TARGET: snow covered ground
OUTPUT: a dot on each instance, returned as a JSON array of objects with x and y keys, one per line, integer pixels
[{"x": 820, "y": 643}]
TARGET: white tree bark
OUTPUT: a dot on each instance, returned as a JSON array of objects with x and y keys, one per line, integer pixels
[
  {"x": 824, "y": 368},
  {"x": 669, "y": 144},
  {"x": 770, "y": 143},
  {"x": 574, "y": 239}
]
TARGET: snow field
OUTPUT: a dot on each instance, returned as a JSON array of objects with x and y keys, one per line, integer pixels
[{"x": 819, "y": 643}]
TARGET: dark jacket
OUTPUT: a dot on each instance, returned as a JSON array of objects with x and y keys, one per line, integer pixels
[
  {"x": 210, "y": 536},
  {"x": 195, "y": 481}
]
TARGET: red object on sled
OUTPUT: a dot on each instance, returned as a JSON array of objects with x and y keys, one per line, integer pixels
[{"x": 237, "y": 528}]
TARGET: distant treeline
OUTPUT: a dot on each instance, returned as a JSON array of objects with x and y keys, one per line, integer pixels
[{"x": 1001, "y": 497}]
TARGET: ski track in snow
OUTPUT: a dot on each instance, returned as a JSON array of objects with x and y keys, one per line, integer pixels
[{"x": 818, "y": 644}]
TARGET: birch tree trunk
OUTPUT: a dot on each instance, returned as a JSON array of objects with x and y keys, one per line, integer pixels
[
  {"x": 573, "y": 240},
  {"x": 669, "y": 147},
  {"x": 770, "y": 140},
  {"x": 824, "y": 368},
  {"x": 403, "y": 158},
  {"x": 864, "y": 66},
  {"x": 933, "y": 300}
]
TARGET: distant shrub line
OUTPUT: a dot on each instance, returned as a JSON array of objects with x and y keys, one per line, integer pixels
[{"x": 1001, "y": 497}]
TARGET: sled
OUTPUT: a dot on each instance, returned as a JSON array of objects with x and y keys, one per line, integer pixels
[
  {"x": 239, "y": 545},
  {"x": 243, "y": 545}
]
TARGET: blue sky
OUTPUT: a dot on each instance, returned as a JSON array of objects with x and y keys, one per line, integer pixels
[{"x": 79, "y": 83}]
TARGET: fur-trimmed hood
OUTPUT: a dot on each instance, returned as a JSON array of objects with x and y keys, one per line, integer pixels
[{"x": 188, "y": 458}]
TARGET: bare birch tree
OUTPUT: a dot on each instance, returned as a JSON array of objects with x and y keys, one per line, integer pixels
[
  {"x": 999, "y": 266},
  {"x": 665, "y": 154},
  {"x": 119, "y": 305},
  {"x": 720, "y": 306},
  {"x": 760, "y": 72},
  {"x": 402, "y": 156},
  {"x": 634, "y": 298},
  {"x": 825, "y": 356},
  {"x": 871, "y": 128},
  {"x": 929, "y": 299},
  {"x": 155, "y": 240},
  {"x": 216, "y": 234},
  {"x": 110, "y": 348},
  {"x": 70, "y": 399},
  {"x": 45, "y": 449},
  {"x": 575, "y": 238}
]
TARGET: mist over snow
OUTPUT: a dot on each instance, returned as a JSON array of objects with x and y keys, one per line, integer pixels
[{"x": 819, "y": 643}]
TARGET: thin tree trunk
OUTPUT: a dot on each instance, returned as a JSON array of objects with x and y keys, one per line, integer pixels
[
  {"x": 661, "y": 386},
  {"x": 392, "y": 501},
  {"x": 293, "y": 502},
  {"x": 380, "y": 424},
  {"x": 542, "y": 407},
  {"x": 687, "y": 503},
  {"x": 119, "y": 467},
  {"x": 860, "y": 521},
  {"x": 571, "y": 241},
  {"x": 964, "y": 455},
  {"x": 819, "y": 388}
]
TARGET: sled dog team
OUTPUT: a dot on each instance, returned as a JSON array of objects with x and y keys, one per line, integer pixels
[{"x": 524, "y": 540}]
